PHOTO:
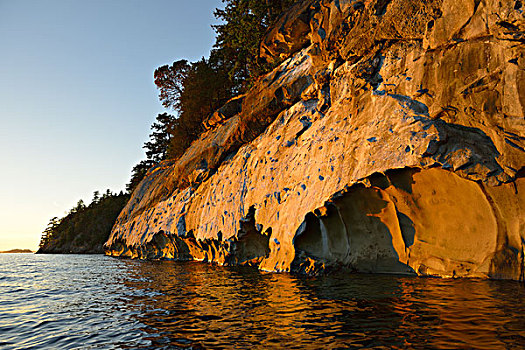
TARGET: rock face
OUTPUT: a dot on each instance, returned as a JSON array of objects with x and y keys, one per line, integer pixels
[{"x": 391, "y": 139}]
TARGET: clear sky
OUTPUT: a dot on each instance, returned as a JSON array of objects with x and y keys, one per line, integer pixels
[{"x": 77, "y": 98}]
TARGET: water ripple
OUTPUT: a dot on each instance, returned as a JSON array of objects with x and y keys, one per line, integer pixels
[{"x": 96, "y": 302}]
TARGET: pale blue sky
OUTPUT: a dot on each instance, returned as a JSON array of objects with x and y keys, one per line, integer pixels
[{"x": 77, "y": 97}]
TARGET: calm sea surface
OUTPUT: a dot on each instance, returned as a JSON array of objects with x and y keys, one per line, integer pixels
[{"x": 97, "y": 302}]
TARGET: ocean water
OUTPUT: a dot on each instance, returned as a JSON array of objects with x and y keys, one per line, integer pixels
[{"x": 97, "y": 302}]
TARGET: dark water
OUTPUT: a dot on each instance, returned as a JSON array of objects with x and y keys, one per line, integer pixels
[{"x": 92, "y": 302}]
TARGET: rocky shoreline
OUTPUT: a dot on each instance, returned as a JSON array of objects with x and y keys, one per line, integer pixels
[{"x": 391, "y": 139}]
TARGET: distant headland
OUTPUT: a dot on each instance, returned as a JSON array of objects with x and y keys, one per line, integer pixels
[{"x": 17, "y": 251}]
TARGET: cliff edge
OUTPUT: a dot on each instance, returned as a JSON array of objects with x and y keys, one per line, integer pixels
[{"x": 390, "y": 139}]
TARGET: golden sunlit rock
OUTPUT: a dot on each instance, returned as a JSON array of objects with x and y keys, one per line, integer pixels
[{"x": 390, "y": 139}]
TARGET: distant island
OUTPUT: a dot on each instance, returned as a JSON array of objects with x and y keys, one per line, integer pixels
[{"x": 17, "y": 251}]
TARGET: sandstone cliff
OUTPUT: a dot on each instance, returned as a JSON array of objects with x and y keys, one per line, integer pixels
[{"x": 390, "y": 139}]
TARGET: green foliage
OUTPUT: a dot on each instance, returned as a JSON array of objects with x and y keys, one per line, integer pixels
[
  {"x": 48, "y": 232},
  {"x": 162, "y": 130},
  {"x": 157, "y": 148},
  {"x": 194, "y": 90},
  {"x": 137, "y": 174},
  {"x": 85, "y": 228},
  {"x": 170, "y": 81},
  {"x": 238, "y": 38}
]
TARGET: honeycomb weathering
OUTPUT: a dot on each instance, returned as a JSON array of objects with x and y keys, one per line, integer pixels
[{"x": 391, "y": 139}]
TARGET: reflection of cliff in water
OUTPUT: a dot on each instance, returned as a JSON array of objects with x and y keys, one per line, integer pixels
[{"x": 188, "y": 304}]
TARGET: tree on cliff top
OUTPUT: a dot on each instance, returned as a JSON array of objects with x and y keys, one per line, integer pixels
[
  {"x": 194, "y": 90},
  {"x": 161, "y": 131},
  {"x": 238, "y": 38},
  {"x": 156, "y": 148},
  {"x": 235, "y": 60},
  {"x": 138, "y": 173},
  {"x": 170, "y": 82}
]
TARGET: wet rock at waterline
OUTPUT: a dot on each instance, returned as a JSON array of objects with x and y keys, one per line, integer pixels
[{"x": 390, "y": 139}]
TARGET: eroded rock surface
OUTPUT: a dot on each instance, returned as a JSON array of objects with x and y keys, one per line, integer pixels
[{"x": 391, "y": 139}]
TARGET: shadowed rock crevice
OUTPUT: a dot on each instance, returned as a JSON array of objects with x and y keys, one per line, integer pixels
[
  {"x": 398, "y": 222},
  {"x": 249, "y": 247},
  {"x": 354, "y": 232},
  {"x": 522, "y": 265}
]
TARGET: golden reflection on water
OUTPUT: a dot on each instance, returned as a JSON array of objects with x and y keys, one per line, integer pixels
[{"x": 204, "y": 306}]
